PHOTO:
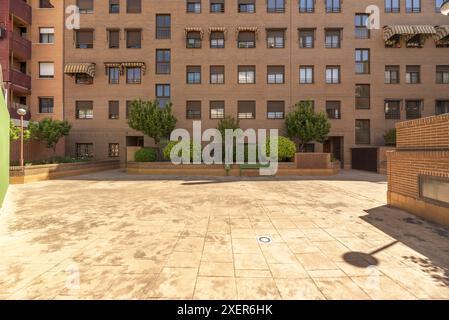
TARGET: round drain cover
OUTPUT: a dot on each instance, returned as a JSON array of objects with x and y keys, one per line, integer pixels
[{"x": 265, "y": 239}]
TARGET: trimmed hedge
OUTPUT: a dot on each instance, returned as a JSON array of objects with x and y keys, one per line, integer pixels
[
  {"x": 286, "y": 148},
  {"x": 145, "y": 155},
  {"x": 171, "y": 144}
]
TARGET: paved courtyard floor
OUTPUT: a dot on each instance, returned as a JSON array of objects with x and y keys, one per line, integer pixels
[{"x": 114, "y": 236}]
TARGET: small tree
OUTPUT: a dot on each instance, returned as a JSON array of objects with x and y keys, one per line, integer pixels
[
  {"x": 306, "y": 125},
  {"x": 227, "y": 122},
  {"x": 154, "y": 121},
  {"x": 390, "y": 137},
  {"x": 49, "y": 131},
  {"x": 14, "y": 132}
]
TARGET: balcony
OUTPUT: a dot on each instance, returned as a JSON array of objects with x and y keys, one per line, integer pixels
[
  {"x": 20, "y": 47},
  {"x": 18, "y": 81},
  {"x": 21, "y": 10}
]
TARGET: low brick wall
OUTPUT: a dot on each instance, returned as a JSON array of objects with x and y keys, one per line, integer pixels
[
  {"x": 54, "y": 171},
  {"x": 419, "y": 153},
  {"x": 313, "y": 160}
]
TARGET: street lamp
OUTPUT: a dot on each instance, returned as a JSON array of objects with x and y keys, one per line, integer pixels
[
  {"x": 445, "y": 8},
  {"x": 21, "y": 112}
]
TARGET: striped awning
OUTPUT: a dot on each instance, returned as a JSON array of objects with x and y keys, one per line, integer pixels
[
  {"x": 247, "y": 29},
  {"x": 442, "y": 32},
  {"x": 135, "y": 65},
  {"x": 194, "y": 29},
  {"x": 77, "y": 68},
  {"x": 408, "y": 31},
  {"x": 217, "y": 29}
]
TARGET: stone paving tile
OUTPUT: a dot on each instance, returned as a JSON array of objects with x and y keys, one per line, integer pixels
[
  {"x": 342, "y": 288},
  {"x": 215, "y": 288},
  {"x": 216, "y": 269},
  {"x": 298, "y": 289},
  {"x": 257, "y": 288}
]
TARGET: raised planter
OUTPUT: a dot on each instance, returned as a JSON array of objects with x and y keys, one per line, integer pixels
[{"x": 18, "y": 175}]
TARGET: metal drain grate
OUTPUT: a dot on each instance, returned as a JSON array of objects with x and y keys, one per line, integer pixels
[{"x": 265, "y": 239}]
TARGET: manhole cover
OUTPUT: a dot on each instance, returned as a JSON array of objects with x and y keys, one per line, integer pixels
[{"x": 265, "y": 239}]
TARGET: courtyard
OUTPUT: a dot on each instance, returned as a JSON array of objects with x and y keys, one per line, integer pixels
[{"x": 115, "y": 236}]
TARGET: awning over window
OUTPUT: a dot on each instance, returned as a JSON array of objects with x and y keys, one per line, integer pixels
[
  {"x": 77, "y": 68},
  {"x": 247, "y": 29},
  {"x": 442, "y": 32},
  {"x": 408, "y": 31},
  {"x": 123, "y": 65},
  {"x": 194, "y": 29},
  {"x": 217, "y": 29}
]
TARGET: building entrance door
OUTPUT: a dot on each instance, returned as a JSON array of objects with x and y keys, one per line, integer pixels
[{"x": 334, "y": 146}]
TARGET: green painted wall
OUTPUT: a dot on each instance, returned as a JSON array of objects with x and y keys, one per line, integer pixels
[{"x": 4, "y": 148}]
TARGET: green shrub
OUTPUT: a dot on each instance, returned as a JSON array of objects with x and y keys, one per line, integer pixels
[
  {"x": 194, "y": 148},
  {"x": 145, "y": 155},
  {"x": 390, "y": 137},
  {"x": 286, "y": 149}
]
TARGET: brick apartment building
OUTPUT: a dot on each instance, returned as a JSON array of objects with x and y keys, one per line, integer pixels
[{"x": 249, "y": 59}]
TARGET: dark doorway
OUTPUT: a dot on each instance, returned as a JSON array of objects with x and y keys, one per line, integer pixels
[
  {"x": 334, "y": 146},
  {"x": 365, "y": 159}
]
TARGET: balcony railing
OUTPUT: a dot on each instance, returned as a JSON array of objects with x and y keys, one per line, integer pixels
[
  {"x": 20, "y": 46},
  {"x": 17, "y": 78},
  {"x": 21, "y": 10}
]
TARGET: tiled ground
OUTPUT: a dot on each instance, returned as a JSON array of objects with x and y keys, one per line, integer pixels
[{"x": 113, "y": 236}]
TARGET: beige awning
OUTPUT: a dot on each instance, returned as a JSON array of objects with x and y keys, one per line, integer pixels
[
  {"x": 441, "y": 32},
  {"x": 135, "y": 65},
  {"x": 194, "y": 29},
  {"x": 247, "y": 29},
  {"x": 77, "y": 68},
  {"x": 408, "y": 31},
  {"x": 217, "y": 29}
]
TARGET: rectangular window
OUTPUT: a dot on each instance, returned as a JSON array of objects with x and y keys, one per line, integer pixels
[
  {"x": 438, "y": 4},
  {"x": 194, "y": 6},
  {"x": 46, "y": 104},
  {"x": 84, "y": 39},
  {"x": 85, "y": 6},
  {"x": 45, "y": 4},
  {"x": 217, "y": 6},
  {"x": 362, "y": 96},
  {"x": 392, "y": 6},
  {"x": 276, "y": 6},
  {"x": 163, "y": 26},
  {"x": 133, "y": 75},
  {"x": 362, "y": 61},
  {"x": 413, "y": 74},
  {"x": 217, "y": 40},
  {"x": 193, "y": 40},
  {"x": 413, "y": 109},
  {"x": 193, "y": 110},
  {"x": 246, "y": 109},
  {"x": 46, "y": 70},
  {"x": 275, "y": 109},
  {"x": 306, "y": 6},
  {"x": 246, "y": 39},
  {"x": 114, "y": 38},
  {"x": 441, "y": 107},
  {"x": 114, "y": 6},
  {"x": 84, "y": 150},
  {"x": 133, "y": 38},
  {"x": 163, "y": 61},
  {"x": 217, "y": 75},
  {"x": 84, "y": 110},
  {"x": 393, "y": 109},
  {"x": 333, "y": 6},
  {"x": 114, "y": 150},
  {"x": 128, "y": 108},
  {"x": 275, "y": 38},
  {"x": 413, "y": 6},
  {"x": 193, "y": 74},
  {"x": 361, "y": 26},
  {"x": 333, "y": 109},
  {"x": 163, "y": 94},
  {"x": 217, "y": 109},
  {"x": 362, "y": 131},
  {"x": 306, "y": 74},
  {"x": 333, "y": 38},
  {"x": 247, "y": 6},
  {"x": 247, "y": 74},
  {"x": 392, "y": 74},
  {"x": 435, "y": 189},
  {"x": 114, "y": 110},
  {"x": 133, "y": 6},
  {"x": 307, "y": 38},
  {"x": 114, "y": 75},
  {"x": 332, "y": 74},
  {"x": 443, "y": 74},
  {"x": 46, "y": 35},
  {"x": 275, "y": 74},
  {"x": 82, "y": 78}
]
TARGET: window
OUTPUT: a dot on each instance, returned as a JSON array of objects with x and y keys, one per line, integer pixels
[
  {"x": 129, "y": 105},
  {"x": 333, "y": 38},
  {"x": 84, "y": 39},
  {"x": 306, "y": 6},
  {"x": 84, "y": 150},
  {"x": 217, "y": 75},
  {"x": 443, "y": 74},
  {"x": 163, "y": 26},
  {"x": 392, "y": 6},
  {"x": 133, "y": 6},
  {"x": 362, "y": 131},
  {"x": 85, "y": 6},
  {"x": 247, "y": 74},
  {"x": 441, "y": 107},
  {"x": 163, "y": 94},
  {"x": 113, "y": 75},
  {"x": 412, "y": 74},
  {"x": 413, "y": 6},
  {"x": 306, "y": 75},
  {"x": 133, "y": 75},
  {"x": 217, "y": 109},
  {"x": 247, "y": 39},
  {"x": 133, "y": 38},
  {"x": 114, "y": 38},
  {"x": 306, "y": 38},
  {"x": 46, "y": 35},
  {"x": 193, "y": 110},
  {"x": 362, "y": 96},
  {"x": 246, "y": 109},
  {"x": 217, "y": 6},
  {"x": 392, "y": 109},
  {"x": 434, "y": 189},
  {"x": 193, "y": 74},
  {"x": 361, "y": 26},
  {"x": 193, "y": 39},
  {"x": 276, "y": 6},
  {"x": 194, "y": 6},
  {"x": 46, "y": 104},
  {"x": 333, "y": 6},
  {"x": 46, "y": 70},
  {"x": 114, "y": 110},
  {"x": 275, "y": 38},
  {"x": 333, "y": 109},
  {"x": 413, "y": 109},
  {"x": 392, "y": 74},
  {"x": 217, "y": 40},
  {"x": 275, "y": 109},
  {"x": 247, "y": 6},
  {"x": 84, "y": 110},
  {"x": 275, "y": 74},
  {"x": 82, "y": 78},
  {"x": 332, "y": 74},
  {"x": 114, "y": 150},
  {"x": 438, "y": 4},
  {"x": 362, "y": 61},
  {"x": 163, "y": 61},
  {"x": 114, "y": 6},
  {"x": 45, "y": 4}
]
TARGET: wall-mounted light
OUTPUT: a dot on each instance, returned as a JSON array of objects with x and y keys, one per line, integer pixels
[{"x": 445, "y": 8}]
